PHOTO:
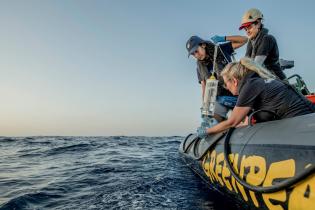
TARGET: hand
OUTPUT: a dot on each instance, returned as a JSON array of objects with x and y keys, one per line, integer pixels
[
  {"x": 202, "y": 132},
  {"x": 217, "y": 39}
]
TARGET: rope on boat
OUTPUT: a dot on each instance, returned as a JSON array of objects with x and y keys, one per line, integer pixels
[{"x": 269, "y": 189}]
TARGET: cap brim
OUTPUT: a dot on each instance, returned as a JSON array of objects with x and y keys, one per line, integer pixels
[
  {"x": 192, "y": 50},
  {"x": 244, "y": 25}
]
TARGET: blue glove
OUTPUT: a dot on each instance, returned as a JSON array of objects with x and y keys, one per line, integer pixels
[
  {"x": 217, "y": 39},
  {"x": 202, "y": 132}
]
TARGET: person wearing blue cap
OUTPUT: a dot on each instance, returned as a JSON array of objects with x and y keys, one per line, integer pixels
[{"x": 203, "y": 52}]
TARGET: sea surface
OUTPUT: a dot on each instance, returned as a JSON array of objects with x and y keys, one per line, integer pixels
[{"x": 100, "y": 173}]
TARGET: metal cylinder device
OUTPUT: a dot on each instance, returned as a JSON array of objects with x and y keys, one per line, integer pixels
[
  {"x": 211, "y": 90},
  {"x": 210, "y": 96}
]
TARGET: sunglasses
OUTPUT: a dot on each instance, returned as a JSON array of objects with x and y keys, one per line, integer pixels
[{"x": 249, "y": 27}]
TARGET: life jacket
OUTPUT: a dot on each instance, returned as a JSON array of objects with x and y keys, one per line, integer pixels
[{"x": 311, "y": 98}]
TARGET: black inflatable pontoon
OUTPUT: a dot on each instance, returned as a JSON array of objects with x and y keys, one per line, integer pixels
[{"x": 270, "y": 166}]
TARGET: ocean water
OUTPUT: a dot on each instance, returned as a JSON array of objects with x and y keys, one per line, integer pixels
[{"x": 100, "y": 173}]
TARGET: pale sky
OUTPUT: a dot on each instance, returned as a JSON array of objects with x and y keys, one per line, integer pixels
[{"x": 116, "y": 67}]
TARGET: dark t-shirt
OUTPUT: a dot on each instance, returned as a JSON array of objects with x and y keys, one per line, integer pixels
[
  {"x": 205, "y": 68},
  {"x": 273, "y": 95},
  {"x": 266, "y": 45}
]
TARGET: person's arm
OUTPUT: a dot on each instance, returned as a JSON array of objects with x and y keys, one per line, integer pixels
[
  {"x": 260, "y": 59},
  {"x": 238, "y": 114},
  {"x": 237, "y": 41}
]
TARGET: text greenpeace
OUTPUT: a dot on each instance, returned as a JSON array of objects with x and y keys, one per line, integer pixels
[{"x": 253, "y": 169}]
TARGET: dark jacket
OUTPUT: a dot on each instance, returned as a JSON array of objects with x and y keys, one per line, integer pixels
[{"x": 266, "y": 45}]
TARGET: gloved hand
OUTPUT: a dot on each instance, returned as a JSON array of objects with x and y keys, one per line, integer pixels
[
  {"x": 217, "y": 39},
  {"x": 202, "y": 132}
]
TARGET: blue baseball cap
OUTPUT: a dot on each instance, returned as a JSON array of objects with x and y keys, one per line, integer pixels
[{"x": 193, "y": 43}]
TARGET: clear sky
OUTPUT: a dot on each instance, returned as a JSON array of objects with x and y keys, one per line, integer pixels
[{"x": 116, "y": 67}]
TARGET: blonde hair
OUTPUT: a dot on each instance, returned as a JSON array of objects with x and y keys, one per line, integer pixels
[{"x": 240, "y": 69}]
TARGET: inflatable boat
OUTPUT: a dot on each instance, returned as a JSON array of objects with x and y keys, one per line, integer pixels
[{"x": 268, "y": 165}]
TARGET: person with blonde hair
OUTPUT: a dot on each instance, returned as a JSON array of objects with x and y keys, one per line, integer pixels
[{"x": 258, "y": 89}]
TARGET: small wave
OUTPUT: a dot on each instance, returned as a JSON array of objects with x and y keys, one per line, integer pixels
[
  {"x": 116, "y": 137},
  {"x": 103, "y": 170},
  {"x": 7, "y": 140},
  {"x": 27, "y": 201},
  {"x": 71, "y": 148},
  {"x": 176, "y": 142},
  {"x": 30, "y": 155},
  {"x": 29, "y": 138}
]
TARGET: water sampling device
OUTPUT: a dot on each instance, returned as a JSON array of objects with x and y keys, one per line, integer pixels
[{"x": 211, "y": 90}]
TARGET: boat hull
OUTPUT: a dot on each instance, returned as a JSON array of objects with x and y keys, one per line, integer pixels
[{"x": 262, "y": 155}]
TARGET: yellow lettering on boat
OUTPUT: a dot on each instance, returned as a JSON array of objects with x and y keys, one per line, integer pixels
[
  {"x": 302, "y": 196},
  {"x": 212, "y": 164},
  {"x": 253, "y": 170},
  {"x": 226, "y": 174},
  {"x": 218, "y": 167},
  {"x": 234, "y": 162},
  {"x": 206, "y": 166},
  {"x": 237, "y": 186},
  {"x": 255, "y": 177},
  {"x": 278, "y": 170}
]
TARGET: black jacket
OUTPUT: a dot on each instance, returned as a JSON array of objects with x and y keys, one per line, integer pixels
[{"x": 265, "y": 44}]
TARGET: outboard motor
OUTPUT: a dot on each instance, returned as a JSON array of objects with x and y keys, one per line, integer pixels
[
  {"x": 296, "y": 80},
  {"x": 286, "y": 64}
]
